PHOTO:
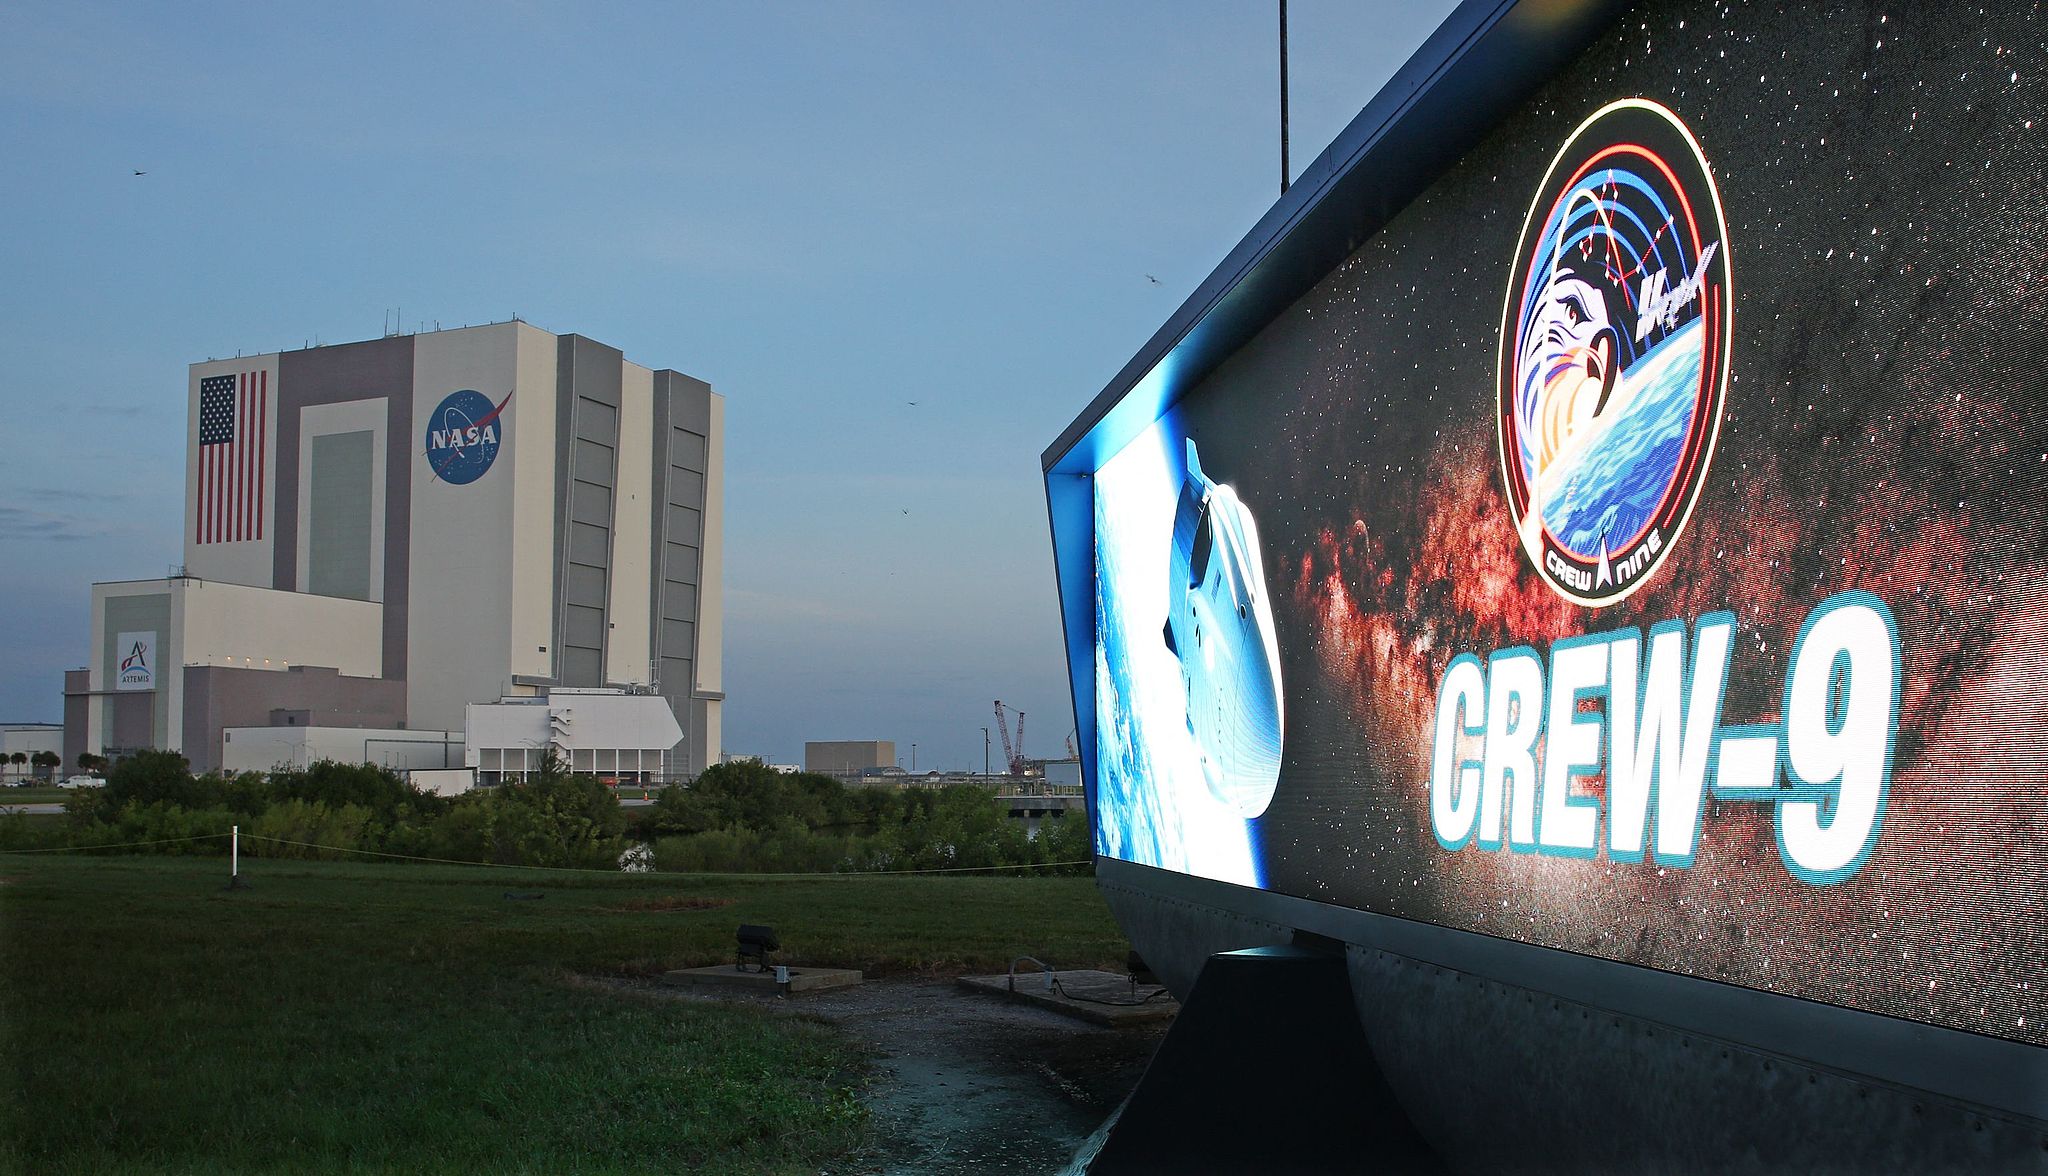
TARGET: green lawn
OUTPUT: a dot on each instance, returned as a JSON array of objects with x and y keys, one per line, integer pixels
[
  {"x": 376, "y": 1016},
  {"x": 36, "y": 795}
]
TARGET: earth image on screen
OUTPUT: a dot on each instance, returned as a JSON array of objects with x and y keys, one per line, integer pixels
[{"x": 1606, "y": 486}]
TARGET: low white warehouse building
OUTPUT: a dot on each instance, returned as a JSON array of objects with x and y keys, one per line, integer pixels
[{"x": 618, "y": 737}]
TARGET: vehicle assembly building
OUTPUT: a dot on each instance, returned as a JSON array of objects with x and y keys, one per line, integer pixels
[{"x": 379, "y": 534}]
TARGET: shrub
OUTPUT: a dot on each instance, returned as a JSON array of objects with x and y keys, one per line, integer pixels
[
  {"x": 178, "y": 830},
  {"x": 380, "y": 790},
  {"x": 556, "y": 818},
  {"x": 149, "y": 777},
  {"x": 1066, "y": 839},
  {"x": 310, "y": 829}
]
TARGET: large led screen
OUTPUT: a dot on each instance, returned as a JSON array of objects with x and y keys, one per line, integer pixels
[{"x": 1640, "y": 545}]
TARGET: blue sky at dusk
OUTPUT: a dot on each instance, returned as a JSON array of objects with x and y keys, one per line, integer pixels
[{"x": 828, "y": 211}]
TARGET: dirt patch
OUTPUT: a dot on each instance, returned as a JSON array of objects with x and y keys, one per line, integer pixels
[
  {"x": 664, "y": 904},
  {"x": 967, "y": 1083}
]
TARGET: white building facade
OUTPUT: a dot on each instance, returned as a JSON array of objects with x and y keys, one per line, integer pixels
[
  {"x": 414, "y": 524},
  {"x": 30, "y": 739},
  {"x": 618, "y": 737}
]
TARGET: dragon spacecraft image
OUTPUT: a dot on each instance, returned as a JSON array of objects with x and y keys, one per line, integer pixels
[{"x": 1219, "y": 624}]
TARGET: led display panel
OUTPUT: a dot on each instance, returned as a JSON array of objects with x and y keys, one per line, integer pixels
[{"x": 1639, "y": 546}]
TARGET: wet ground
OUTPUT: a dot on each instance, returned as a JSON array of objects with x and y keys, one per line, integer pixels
[{"x": 968, "y": 1083}]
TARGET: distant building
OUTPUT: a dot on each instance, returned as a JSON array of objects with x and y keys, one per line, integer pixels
[
  {"x": 29, "y": 739},
  {"x": 263, "y": 749},
  {"x": 620, "y": 738},
  {"x": 849, "y": 757},
  {"x": 1064, "y": 773},
  {"x": 379, "y": 534}
]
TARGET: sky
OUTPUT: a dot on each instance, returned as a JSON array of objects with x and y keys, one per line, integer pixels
[{"x": 828, "y": 211}]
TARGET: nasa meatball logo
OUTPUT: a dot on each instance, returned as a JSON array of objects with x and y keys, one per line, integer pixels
[
  {"x": 463, "y": 436},
  {"x": 1614, "y": 352}
]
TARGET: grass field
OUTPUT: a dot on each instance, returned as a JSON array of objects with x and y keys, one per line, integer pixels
[
  {"x": 37, "y": 795},
  {"x": 376, "y": 1016}
]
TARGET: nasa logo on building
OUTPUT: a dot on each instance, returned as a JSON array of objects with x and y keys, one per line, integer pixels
[
  {"x": 1614, "y": 349},
  {"x": 463, "y": 436}
]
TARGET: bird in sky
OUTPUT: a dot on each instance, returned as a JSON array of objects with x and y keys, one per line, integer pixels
[
  {"x": 141, "y": 173},
  {"x": 1151, "y": 279}
]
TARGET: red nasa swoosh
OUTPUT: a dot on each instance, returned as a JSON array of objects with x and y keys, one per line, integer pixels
[{"x": 478, "y": 425}]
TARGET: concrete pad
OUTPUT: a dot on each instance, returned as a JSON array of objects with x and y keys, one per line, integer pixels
[
  {"x": 725, "y": 976},
  {"x": 1100, "y": 998}
]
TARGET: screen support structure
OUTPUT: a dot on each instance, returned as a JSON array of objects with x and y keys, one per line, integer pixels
[{"x": 1266, "y": 1069}]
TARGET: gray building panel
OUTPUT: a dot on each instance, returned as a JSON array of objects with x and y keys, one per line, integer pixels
[
  {"x": 77, "y": 711},
  {"x": 675, "y": 669},
  {"x": 589, "y": 546},
  {"x": 338, "y": 517},
  {"x": 138, "y": 718},
  {"x": 697, "y": 731},
  {"x": 581, "y": 666},
  {"x": 682, "y": 423},
  {"x": 308, "y": 696},
  {"x": 334, "y": 375},
  {"x": 585, "y": 583},
  {"x": 133, "y": 721},
  {"x": 685, "y": 489},
  {"x": 685, "y": 523},
  {"x": 595, "y": 460},
  {"x": 659, "y": 457},
  {"x": 693, "y": 402},
  {"x": 678, "y": 601},
  {"x": 589, "y": 376},
  {"x": 583, "y": 627},
  {"x": 590, "y": 504},
  {"x": 679, "y": 563},
  {"x": 678, "y": 635},
  {"x": 687, "y": 449}
]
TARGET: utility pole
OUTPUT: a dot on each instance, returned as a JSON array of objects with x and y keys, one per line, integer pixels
[
  {"x": 1284, "y": 170},
  {"x": 913, "y": 759},
  {"x": 984, "y": 751}
]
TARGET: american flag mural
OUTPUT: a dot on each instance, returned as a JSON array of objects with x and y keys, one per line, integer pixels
[{"x": 234, "y": 417}]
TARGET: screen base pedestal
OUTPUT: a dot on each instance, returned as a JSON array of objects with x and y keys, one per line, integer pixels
[{"x": 1265, "y": 1070}]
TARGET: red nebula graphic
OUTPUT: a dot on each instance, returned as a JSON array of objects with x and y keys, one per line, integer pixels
[{"x": 1945, "y": 921}]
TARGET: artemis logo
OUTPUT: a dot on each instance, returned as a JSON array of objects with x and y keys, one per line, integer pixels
[
  {"x": 463, "y": 435},
  {"x": 138, "y": 661}
]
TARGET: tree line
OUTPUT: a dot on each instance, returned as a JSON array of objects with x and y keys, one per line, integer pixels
[{"x": 739, "y": 817}]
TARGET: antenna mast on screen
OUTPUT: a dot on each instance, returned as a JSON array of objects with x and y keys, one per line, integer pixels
[{"x": 1283, "y": 98}]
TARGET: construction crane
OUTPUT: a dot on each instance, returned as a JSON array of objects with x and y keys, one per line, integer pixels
[{"x": 1013, "y": 753}]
